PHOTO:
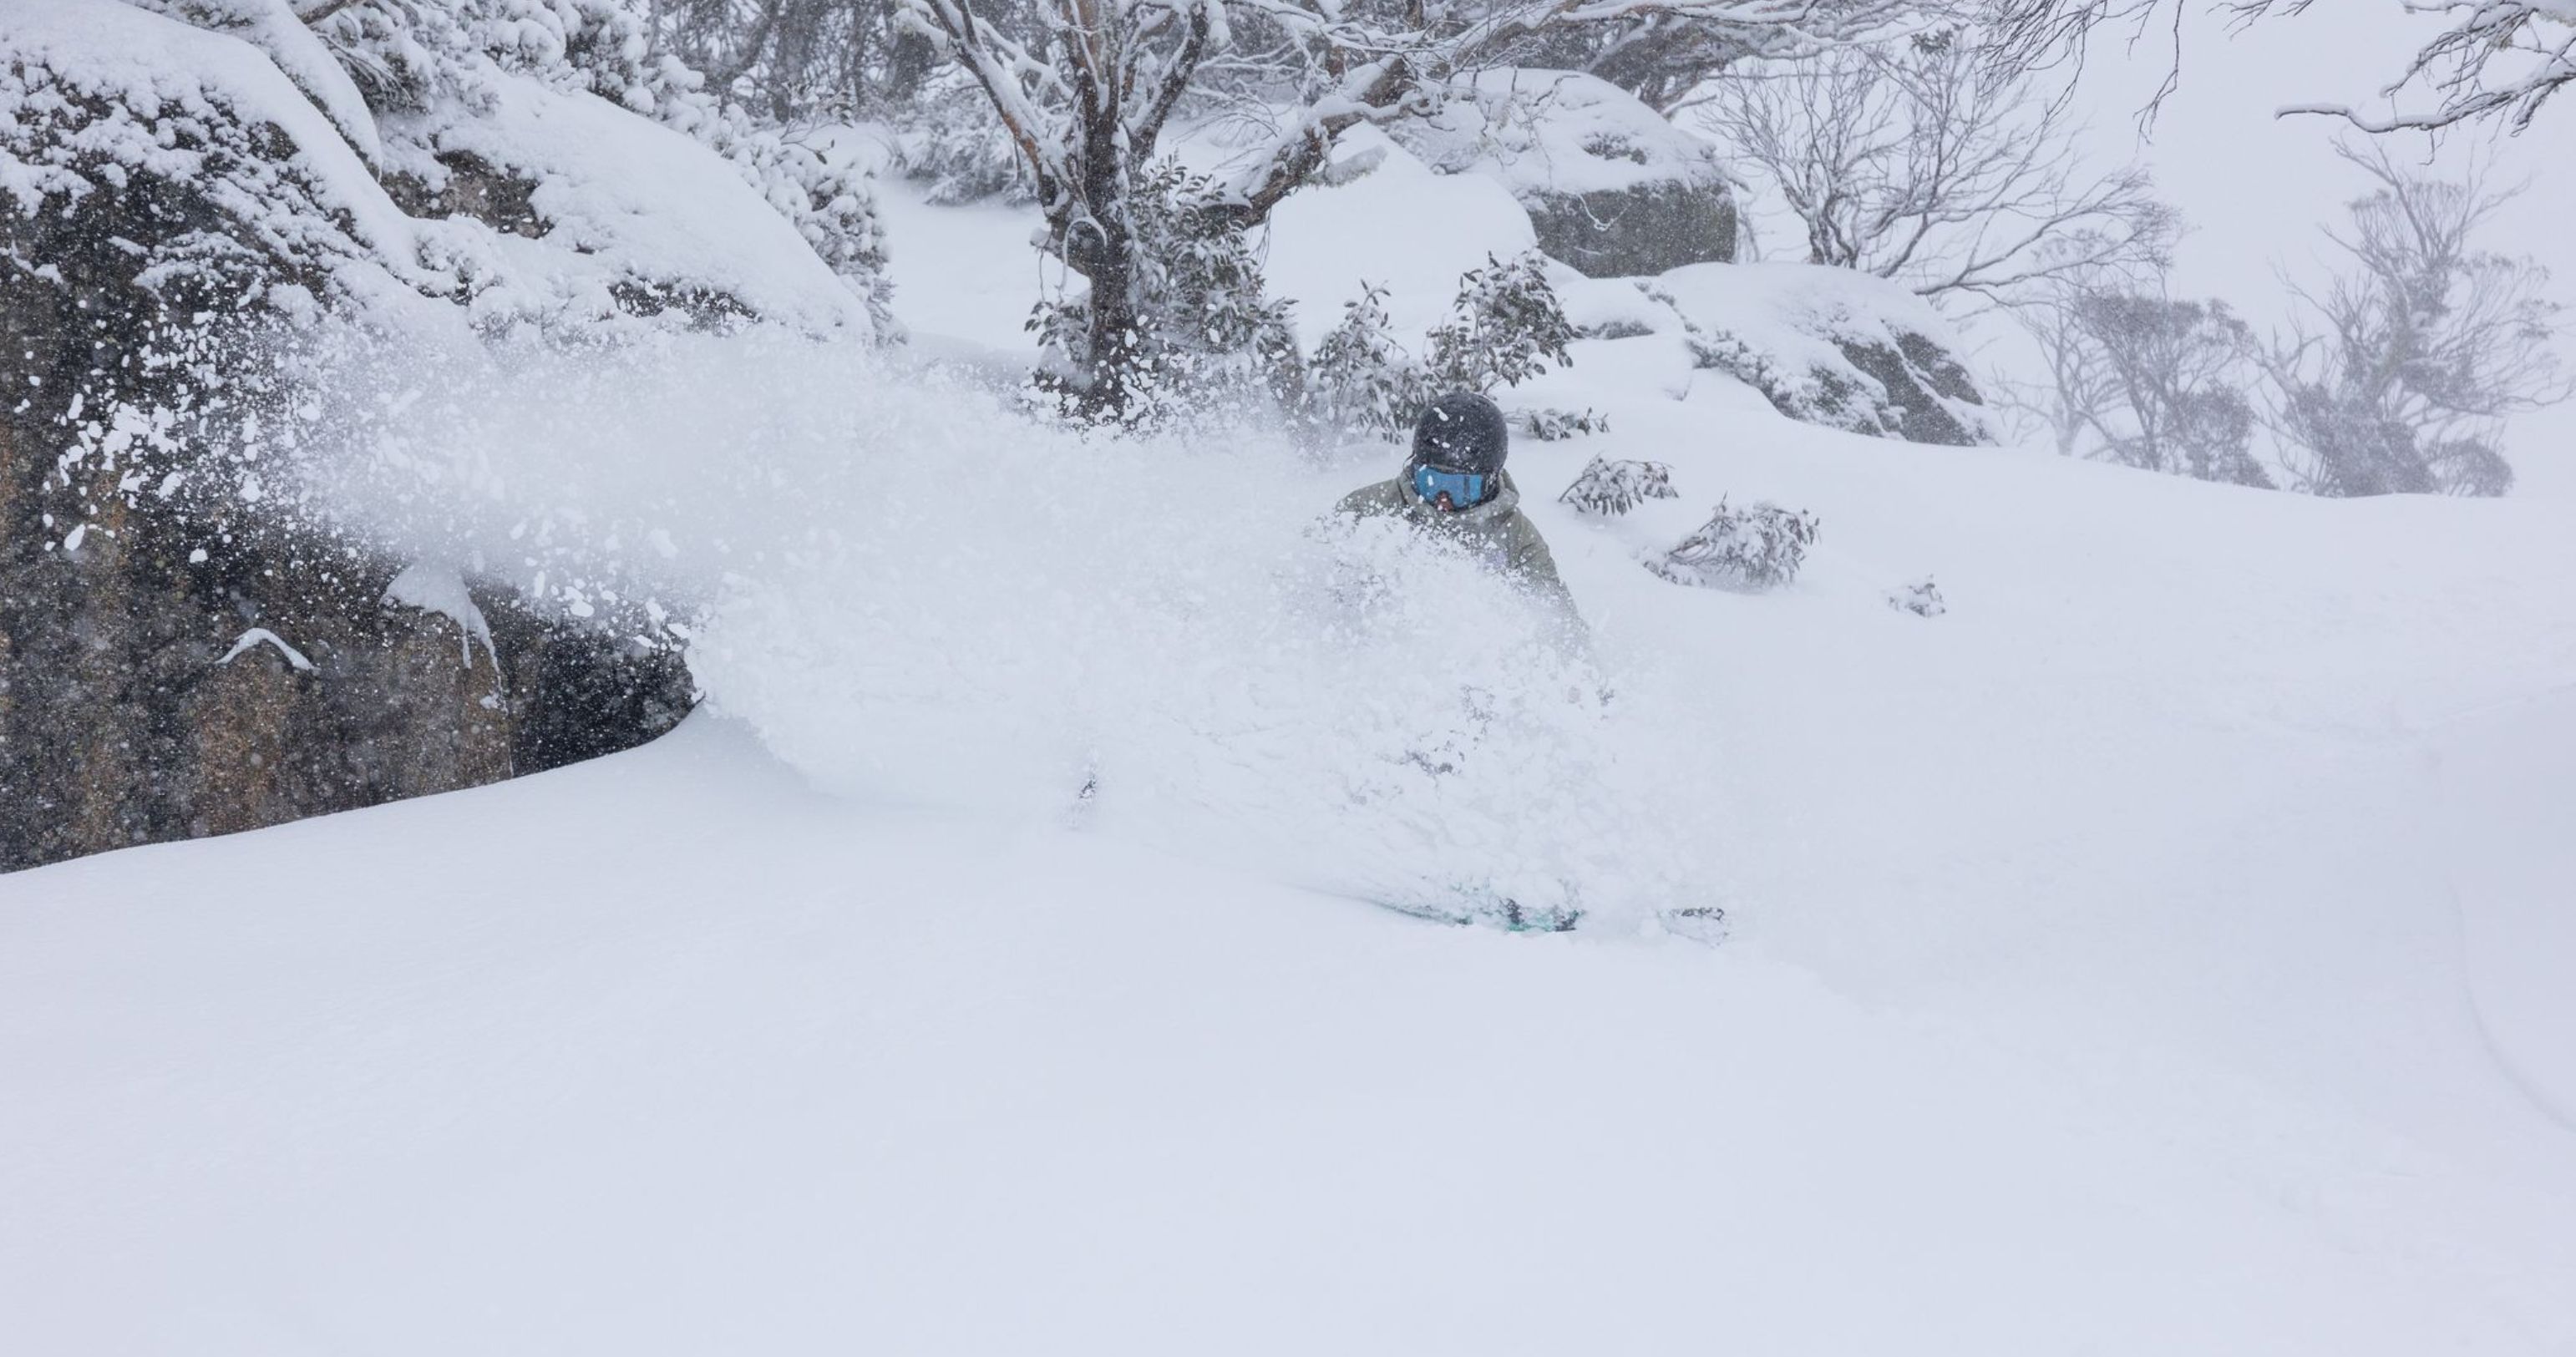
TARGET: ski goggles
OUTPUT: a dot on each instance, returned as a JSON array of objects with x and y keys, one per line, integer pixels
[{"x": 1464, "y": 488}]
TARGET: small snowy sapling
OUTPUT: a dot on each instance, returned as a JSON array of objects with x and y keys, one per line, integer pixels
[
  {"x": 1361, "y": 380},
  {"x": 1555, "y": 426},
  {"x": 1614, "y": 487},
  {"x": 1922, "y": 600},
  {"x": 1758, "y": 547},
  {"x": 1504, "y": 328}
]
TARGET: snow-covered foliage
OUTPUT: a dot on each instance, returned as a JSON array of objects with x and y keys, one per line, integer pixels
[
  {"x": 1923, "y": 599},
  {"x": 1758, "y": 547},
  {"x": 1548, "y": 424},
  {"x": 949, "y": 139},
  {"x": 1360, "y": 379},
  {"x": 1609, "y": 486},
  {"x": 1505, "y": 327},
  {"x": 1830, "y": 346}
]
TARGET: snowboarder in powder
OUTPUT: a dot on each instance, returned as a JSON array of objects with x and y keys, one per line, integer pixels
[{"x": 1454, "y": 485}]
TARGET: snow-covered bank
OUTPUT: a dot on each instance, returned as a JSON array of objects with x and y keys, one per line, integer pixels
[{"x": 668, "y": 1054}]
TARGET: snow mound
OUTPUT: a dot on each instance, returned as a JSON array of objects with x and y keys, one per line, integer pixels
[{"x": 627, "y": 215}]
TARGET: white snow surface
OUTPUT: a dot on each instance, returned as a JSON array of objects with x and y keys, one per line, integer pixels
[{"x": 2159, "y": 952}]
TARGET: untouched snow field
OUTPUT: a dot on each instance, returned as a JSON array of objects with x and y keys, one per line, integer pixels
[{"x": 2163, "y": 951}]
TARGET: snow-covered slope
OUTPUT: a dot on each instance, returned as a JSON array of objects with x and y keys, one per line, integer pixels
[
  {"x": 2098, "y": 983},
  {"x": 2156, "y": 953}
]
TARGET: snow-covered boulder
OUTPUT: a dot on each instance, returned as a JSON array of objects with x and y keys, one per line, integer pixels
[
  {"x": 1830, "y": 346},
  {"x": 1612, "y": 187},
  {"x": 184, "y": 649}
]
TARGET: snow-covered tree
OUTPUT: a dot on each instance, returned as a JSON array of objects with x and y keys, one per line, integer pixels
[
  {"x": 2399, "y": 372},
  {"x": 2149, "y": 381},
  {"x": 2491, "y": 59},
  {"x": 1912, "y": 161},
  {"x": 1205, "y": 329},
  {"x": 1085, "y": 89}
]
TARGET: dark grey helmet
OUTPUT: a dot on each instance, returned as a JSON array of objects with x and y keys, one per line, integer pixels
[{"x": 1462, "y": 431}]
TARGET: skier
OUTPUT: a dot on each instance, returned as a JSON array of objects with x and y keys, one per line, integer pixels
[{"x": 1454, "y": 485}]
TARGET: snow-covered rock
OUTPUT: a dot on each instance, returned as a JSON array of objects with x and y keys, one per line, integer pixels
[
  {"x": 184, "y": 648},
  {"x": 1612, "y": 187},
  {"x": 1830, "y": 346}
]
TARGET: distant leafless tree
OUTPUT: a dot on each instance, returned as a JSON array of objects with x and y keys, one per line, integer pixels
[
  {"x": 2492, "y": 59},
  {"x": 2400, "y": 370},
  {"x": 1908, "y": 162},
  {"x": 2148, "y": 381}
]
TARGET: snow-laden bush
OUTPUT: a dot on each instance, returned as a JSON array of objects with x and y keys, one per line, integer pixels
[
  {"x": 1607, "y": 487},
  {"x": 1551, "y": 425},
  {"x": 949, "y": 139},
  {"x": 1922, "y": 599},
  {"x": 1760, "y": 546},
  {"x": 1505, "y": 327},
  {"x": 1360, "y": 379}
]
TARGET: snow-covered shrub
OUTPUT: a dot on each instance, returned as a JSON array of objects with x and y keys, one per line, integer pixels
[
  {"x": 1760, "y": 546},
  {"x": 1555, "y": 426},
  {"x": 1360, "y": 379},
  {"x": 1922, "y": 600},
  {"x": 1505, "y": 327},
  {"x": 949, "y": 139},
  {"x": 1210, "y": 338},
  {"x": 1614, "y": 487}
]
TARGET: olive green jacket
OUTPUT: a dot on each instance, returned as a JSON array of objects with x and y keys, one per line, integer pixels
[{"x": 1495, "y": 532}]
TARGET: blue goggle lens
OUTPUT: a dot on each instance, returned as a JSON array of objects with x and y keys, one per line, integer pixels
[{"x": 1464, "y": 488}]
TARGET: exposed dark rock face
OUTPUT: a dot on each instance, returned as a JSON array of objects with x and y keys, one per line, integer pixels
[
  {"x": 1635, "y": 232},
  {"x": 178, "y": 657}
]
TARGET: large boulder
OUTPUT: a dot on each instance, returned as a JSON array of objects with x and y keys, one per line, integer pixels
[
  {"x": 184, "y": 649},
  {"x": 1611, "y": 186},
  {"x": 1830, "y": 346}
]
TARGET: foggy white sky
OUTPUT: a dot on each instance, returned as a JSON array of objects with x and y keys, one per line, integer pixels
[{"x": 2256, "y": 187}]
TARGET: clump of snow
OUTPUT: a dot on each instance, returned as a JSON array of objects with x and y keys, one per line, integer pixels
[
  {"x": 440, "y": 589},
  {"x": 262, "y": 636}
]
